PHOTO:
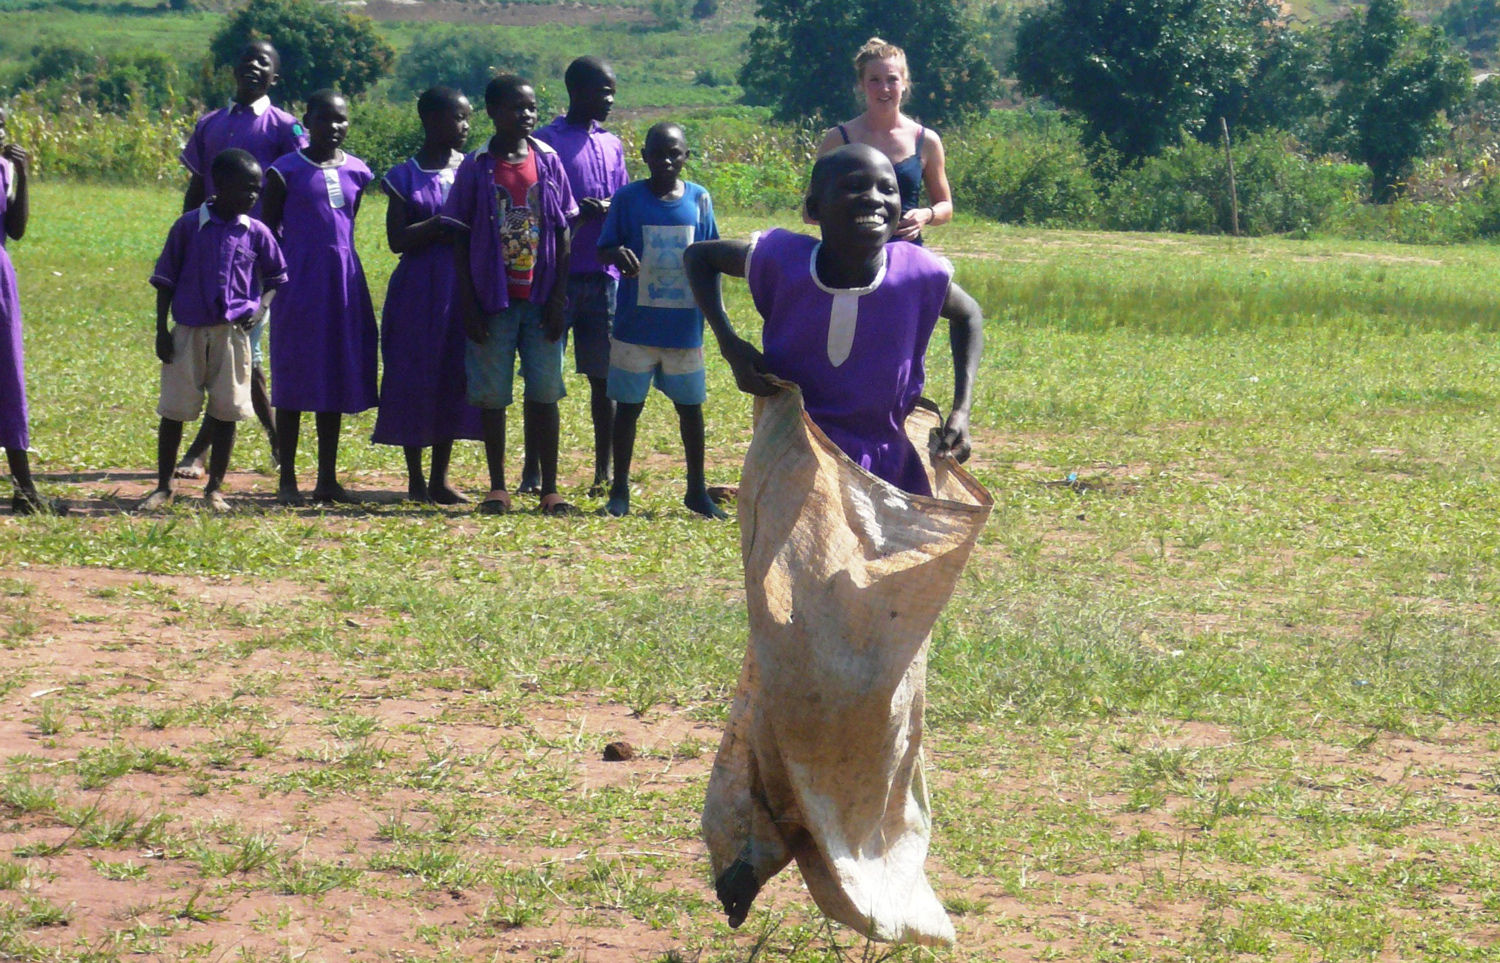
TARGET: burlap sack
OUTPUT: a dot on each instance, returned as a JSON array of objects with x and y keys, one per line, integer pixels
[{"x": 821, "y": 759}]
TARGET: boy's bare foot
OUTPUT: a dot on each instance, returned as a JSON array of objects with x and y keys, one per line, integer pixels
[
  {"x": 555, "y": 505},
  {"x": 698, "y": 501},
  {"x": 289, "y": 495},
  {"x": 619, "y": 501},
  {"x": 157, "y": 500},
  {"x": 332, "y": 495},
  {"x": 189, "y": 468},
  {"x": 33, "y": 502},
  {"x": 215, "y": 502},
  {"x": 600, "y": 487},
  {"x": 448, "y": 495},
  {"x": 736, "y": 888},
  {"x": 416, "y": 491},
  {"x": 723, "y": 493},
  {"x": 497, "y": 502},
  {"x": 531, "y": 484}
]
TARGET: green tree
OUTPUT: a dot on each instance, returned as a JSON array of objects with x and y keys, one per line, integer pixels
[
  {"x": 1141, "y": 73},
  {"x": 800, "y": 58},
  {"x": 1393, "y": 81},
  {"x": 465, "y": 59},
  {"x": 320, "y": 45}
]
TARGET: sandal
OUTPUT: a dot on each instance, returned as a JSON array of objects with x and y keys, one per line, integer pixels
[
  {"x": 555, "y": 505},
  {"x": 496, "y": 502}
]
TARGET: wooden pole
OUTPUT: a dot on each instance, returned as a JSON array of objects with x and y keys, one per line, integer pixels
[{"x": 1234, "y": 197}]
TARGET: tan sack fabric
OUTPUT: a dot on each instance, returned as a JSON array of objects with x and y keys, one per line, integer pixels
[{"x": 821, "y": 759}]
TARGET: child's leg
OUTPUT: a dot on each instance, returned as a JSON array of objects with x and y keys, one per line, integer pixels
[
  {"x": 531, "y": 464},
  {"x": 27, "y": 500},
  {"x": 20, "y": 470},
  {"x": 416, "y": 486},
  {"x": 603, "y": 412},
  {"x": 218, "y": 458},
  {"x": 627, "y": 416},
  {"x": 328, "y": 489},
  {"x": 547, "y": 433},
  {"x": 191, "y": 465},
  {"x": 438, "y": 487},
  {"x": 260, "y": 398},
  {"x": 168, "y": 440},
  {"x": 289, "y": 423},
  {"x": 690, "y": 421},
  {"x": 492, "y": 426}
]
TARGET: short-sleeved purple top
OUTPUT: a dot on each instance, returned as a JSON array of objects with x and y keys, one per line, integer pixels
[
  {"x": 265, "y": 131},
  {"x": 857, "y": 354},
  {"x": 216, "y": 269},
  {"x": 471, "y": 205},
  {"x": 594, "y": 160}
]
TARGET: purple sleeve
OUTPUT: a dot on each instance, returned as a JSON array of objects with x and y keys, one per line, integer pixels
[
  {"x": 269, "y": 260},
  {"x": 567, "y": 208},
  {"x": 459, "y": 209},
  {"x": 619, "y": 175},
  {"x": 292, "y": 138},
  {"x": 192, "y": 152},
  {"x": 169, "y": 265}
]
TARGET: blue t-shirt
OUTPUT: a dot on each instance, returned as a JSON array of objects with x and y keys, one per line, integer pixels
[{"x": 657, "y": 308}]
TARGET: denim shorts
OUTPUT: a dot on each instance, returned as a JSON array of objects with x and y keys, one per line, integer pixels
[
  {"x": 491, "y": 367},
  {"x": 591, "y": 310}
]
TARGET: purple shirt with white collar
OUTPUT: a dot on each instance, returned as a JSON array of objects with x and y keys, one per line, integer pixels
[
  {"x": 265, "y": 131},
  {"x": 471, "y": 205},
  {"x": 216, "y": 269},
  {"x": 594, "y": 160}
]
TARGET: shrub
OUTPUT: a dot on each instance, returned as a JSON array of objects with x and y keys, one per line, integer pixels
[
  {"x": 1186, "y": 188},
  {"x": 64, "y": 75},
  {"x": 138, "y": 147},
  {"x": 384, "y": 134},
  {"x": 320, "y": 45},
  {"x": 465, "y": 59},
  {"x": 1022, "y": 170}
]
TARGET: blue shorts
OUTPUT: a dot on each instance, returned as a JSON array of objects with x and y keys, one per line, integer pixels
[
  {"x": 491, "y": 367},
  {"x": 676, "y": 372},
  {"x": 257, "y": 338},
  {"x": 591, "y": 310}
]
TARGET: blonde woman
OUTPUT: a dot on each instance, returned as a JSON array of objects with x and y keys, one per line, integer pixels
[{"x": 914, "y": 151}]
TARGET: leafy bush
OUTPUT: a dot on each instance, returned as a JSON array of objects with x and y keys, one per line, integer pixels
[
  {"x": 1186, "y": 188},
  {"x": 64, "y": 75},
  {"x": 138, "y": 147},
  {"x": 461, "y": 58},
  {"x": 320, "y": 45},
  {"x": 1022, "y": 170},
  {"x": 385, "y": 134}
]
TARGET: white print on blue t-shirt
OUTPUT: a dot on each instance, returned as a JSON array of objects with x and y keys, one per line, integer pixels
[{"x": 664, "y": 283}]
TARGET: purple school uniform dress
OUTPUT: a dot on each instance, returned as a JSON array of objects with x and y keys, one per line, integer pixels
[
  {"x": 422, "y": 391},
  {"x": 265, "y": 131},
  {"x": 324, "y": 343},
  {"x": 14, "y": 431},
  {"x": 856, "y": 354}
]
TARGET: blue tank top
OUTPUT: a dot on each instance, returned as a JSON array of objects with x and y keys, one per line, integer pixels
[{"x": 908, "y": 175}]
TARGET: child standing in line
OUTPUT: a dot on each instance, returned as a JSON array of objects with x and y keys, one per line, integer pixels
[
  {"x": 216, "y": 262},
  {"x": 658, "y": 330},
  {"x": 512, "y": 204},
  {"x": 15, "y": 434},
  {"x": 422, "y": 388},
  {"x": 253, "y": 124},
  {"x": 594, "y": 160},
  {"x": 324, "y": 342}
]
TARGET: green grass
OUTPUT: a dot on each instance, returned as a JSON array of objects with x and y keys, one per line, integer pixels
[{"x": 1228, "y": 695}]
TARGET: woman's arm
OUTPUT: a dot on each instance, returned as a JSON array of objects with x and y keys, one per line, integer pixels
[
  {"x": 939, "y": 194},
  {"x": 705, "y": 262},
  {"x": 966, "y": 337}
]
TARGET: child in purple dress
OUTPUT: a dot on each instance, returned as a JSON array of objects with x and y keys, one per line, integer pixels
[
  {"x": 511, "y": 204},
  {"x": 422, "y": 388},
  {"x": 15, "y": 436},
  {"x": 252, "y": 123},
  {"x": 324, "y": 341},
  {"x": 848, "y": 319},
  {"x": 210, "y": 278}
]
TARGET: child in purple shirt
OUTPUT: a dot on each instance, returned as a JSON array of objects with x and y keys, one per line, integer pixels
[
  {"x": 511, "y": 203},
  {"x": 253, "y": 124},
  {"x": 848, "y": 319},
  {"x": 210, "y": 277},
  {"x": 594, "y": 160}
]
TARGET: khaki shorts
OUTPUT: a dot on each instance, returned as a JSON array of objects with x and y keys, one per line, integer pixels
[{"x": 212, "y": 360}]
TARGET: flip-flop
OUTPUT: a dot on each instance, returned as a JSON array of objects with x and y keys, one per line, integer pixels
[
  {"x": 555, "y": 505},
  {"x": 496, "y": 502}
]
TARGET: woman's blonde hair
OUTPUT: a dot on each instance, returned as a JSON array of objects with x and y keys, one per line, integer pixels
[{"x": 877, "y": 49}]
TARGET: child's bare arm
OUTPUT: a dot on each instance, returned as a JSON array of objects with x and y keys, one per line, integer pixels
[
  {"x": 966, "y": 336},
  {"x": 468, "y": 301},
  {"x": 554, "y": 310},
  {"x": 705, "y": 262},
  {"x": 404, "y": 236},
  {"x": 273, "y": 201},
  {"x": 621, "y": 257},
  {"x": 195, "y": 194},
  {"x": 163, "y": 333},
  {"x": 19, "y": 210}
]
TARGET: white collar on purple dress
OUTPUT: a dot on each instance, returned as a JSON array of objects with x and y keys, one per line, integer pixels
[
  {"x": 205, "y": 215},
  {"x": 844, "y": 314}
]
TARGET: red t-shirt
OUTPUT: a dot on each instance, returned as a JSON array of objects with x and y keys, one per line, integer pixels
[{"x": 516, "y": 197}]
